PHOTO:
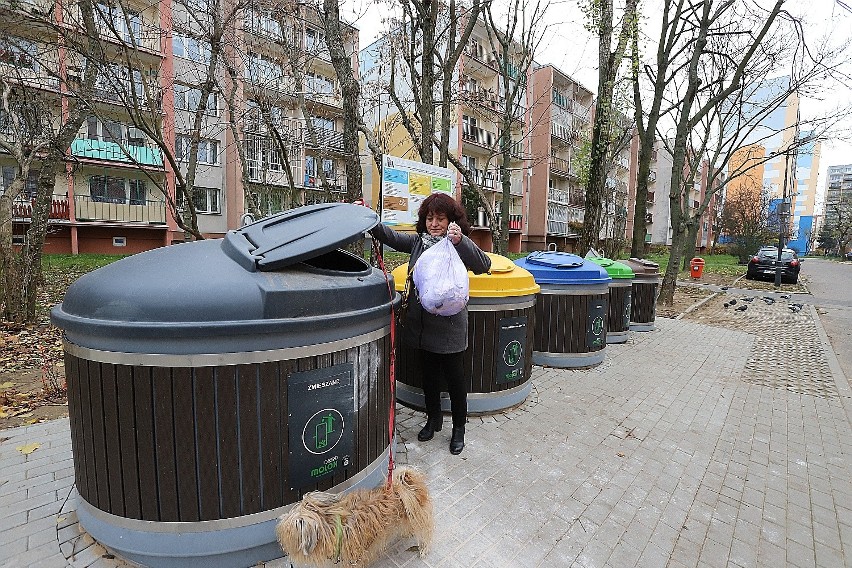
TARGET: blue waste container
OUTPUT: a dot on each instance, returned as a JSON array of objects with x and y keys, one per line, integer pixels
[{"x": 570, "y": 311}]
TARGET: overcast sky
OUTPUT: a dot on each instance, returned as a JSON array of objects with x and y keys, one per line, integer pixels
[{"x": 568, "y": 46}]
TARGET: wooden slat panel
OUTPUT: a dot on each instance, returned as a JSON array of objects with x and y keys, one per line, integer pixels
[
  {"x": 75, "y": 412},
  {"x": 384, "y": 415},
  {"x": 248, "y": 383},
  {"x": 229, "y": 451},
  {"x": 164, "y": 438},
  {"x": 206, "y": 442},
  {"x": 126, "y": 404},
  {"x": 289, "y": 495},
  {"x": 271, "y": 443},
  {"x": 146, "y": 454},
  {"x": 362, "y": 401},
  {"x": 99, "y": 450},
  {"x": 185, "y": 463},
  {"x": 113, "y": 445}
]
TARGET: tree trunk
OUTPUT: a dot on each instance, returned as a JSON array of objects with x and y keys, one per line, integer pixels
[{"x": 351, "y": 92}]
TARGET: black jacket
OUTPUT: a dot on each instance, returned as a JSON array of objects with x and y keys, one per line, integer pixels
[{"x": 422, "y": 330}]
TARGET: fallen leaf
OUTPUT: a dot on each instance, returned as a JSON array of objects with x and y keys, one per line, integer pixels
[
  {"x": 7, "y": 385},
  {"x": 27, "y": 449}
]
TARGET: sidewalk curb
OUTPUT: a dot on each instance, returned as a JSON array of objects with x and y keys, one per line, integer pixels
[
  {"x": 697, "y": 305},
  {"x": 839, "y": 377}
]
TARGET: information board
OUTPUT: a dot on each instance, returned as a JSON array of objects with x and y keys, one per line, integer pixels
[
  {"x": 510, "y": 349},
  {"x": 321, "y": 422},
  {"x": 406, "y": 183}
]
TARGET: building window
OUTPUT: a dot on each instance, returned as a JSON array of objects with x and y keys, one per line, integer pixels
[
  {"x": 188, "y": 98},
  {"x": 138, "y": 192},
  {"x": 206, "y": 200},
  {"x": 314, "y": 41},
  {"x": 8, "y": 177},
  {"x": 208, "y": 150},
  {"x": 107, "y": 189},
  {"x": 326, "y": 123},
  {"x": 188, "y": 47},
  {"x": 19, "y": 53},
  {"x": 115, "y": 21}
]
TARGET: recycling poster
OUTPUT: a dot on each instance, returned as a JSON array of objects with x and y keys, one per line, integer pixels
[
  {"x": 322, "y": 425},
  {"x": 405, "y": 184}
]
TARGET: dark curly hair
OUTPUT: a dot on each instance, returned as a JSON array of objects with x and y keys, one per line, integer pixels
[{"x": 442, "y": 203}]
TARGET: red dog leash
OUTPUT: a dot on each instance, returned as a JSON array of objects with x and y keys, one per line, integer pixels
[{"x": 392, "y": 410}]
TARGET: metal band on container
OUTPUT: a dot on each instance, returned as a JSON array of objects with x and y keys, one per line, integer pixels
[
  {"x": 495, "y": 305},
  {"x": 621, "y": 283},
  {"x": 223, "y": 524},
  {"x": 575, "y": 290},
  {"x": 220, "y": 359}
]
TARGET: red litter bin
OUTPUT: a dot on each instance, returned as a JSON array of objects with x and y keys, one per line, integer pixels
[{"x": 696, "y": 267}]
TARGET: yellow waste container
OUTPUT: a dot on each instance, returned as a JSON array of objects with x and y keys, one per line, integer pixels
[{"x": 498, "y": 359}]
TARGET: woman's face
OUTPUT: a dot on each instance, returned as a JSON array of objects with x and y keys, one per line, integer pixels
[{"x": 436, "y": 224}]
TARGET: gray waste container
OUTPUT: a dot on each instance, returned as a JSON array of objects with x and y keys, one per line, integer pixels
[
  {"x": 646, "y": 281},
  {"x": 211, "y": 384}
]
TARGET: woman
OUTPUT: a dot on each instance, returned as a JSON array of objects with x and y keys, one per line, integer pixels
[{"x": 440, "y": 340}]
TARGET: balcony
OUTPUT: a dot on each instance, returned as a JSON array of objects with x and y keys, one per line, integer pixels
[
  {"x": 560, "y": 165},
  {"x": 479, "y": 136},
  {"x": 652, "y": 176},
  {"x": 22, "y": 209},
  {"x": 337, "y": 182},
  {"x": 651, "y": 197},
  {"x": 326, "y": 138},
  {"x": 137, "y": 153},
  {"x": 89, "y": 208}
]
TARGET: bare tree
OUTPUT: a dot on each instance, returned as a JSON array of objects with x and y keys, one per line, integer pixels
[
  {"x": 35, "y": 133},
  {"x": 601, "y": 16},
  {"x": 745, "y": 221},
  {"x": 693, "y": 101},
  {"x": 513, "y": 45}
]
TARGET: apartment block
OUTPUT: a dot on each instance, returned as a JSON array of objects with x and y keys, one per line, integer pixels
[
  {"x": 112, "y": 196},
  {"x": 560, "y": 113},
  {"x": 475, "y": 130},
  {"x": 838, "y": 190},
  {"x": 803, "y": 230}
]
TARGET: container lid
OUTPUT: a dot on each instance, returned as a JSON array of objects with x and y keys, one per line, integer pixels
[
  {"x": 642, "y": 268},
  {"x": 616, "y": 270},
  {"x": 552, "y": 267},
  {"x": 198, "y": 298},
  {"x": 290, "y": 237},
  {"x": 504, "y": 280}
]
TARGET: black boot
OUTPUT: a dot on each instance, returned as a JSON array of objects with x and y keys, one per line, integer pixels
[
  {"x": 428, "y": 431},
  {"x": 457, "y": 441}
]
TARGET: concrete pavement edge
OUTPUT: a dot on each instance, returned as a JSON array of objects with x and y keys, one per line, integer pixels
[{"x": 840, "y": 378}]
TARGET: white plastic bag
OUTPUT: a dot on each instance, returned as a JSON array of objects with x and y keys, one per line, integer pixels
[{"x": 441, "y": 279}]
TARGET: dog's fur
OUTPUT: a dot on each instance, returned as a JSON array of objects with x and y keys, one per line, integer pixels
[{"x": 368, "y": 519}]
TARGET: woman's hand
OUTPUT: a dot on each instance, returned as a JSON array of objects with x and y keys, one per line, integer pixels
[{"x": 454, "y": 233}]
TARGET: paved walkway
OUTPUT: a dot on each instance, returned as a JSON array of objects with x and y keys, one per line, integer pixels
[{"x": 699, "y": 444}]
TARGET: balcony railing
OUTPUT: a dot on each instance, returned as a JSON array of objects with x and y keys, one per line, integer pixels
[
  {"x": 23, "y": 209},
  {"x": 479, "y": 136},
  {"x": 337, "y": 182},
  {"x": 94, "y": 208},
  {"x": 146, "y": 154},
  {"x": 326, "y": 138},
  {"x": 560, "y": 165}
]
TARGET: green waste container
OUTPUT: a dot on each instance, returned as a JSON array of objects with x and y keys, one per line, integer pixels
[
  {"x": 646, "y": 281},
  {"x": 498, "y": 358},
  {"x": 620, "y": 294}
]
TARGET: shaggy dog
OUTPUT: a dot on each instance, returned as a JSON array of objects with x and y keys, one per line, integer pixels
[{"x": 326, "y": 528}]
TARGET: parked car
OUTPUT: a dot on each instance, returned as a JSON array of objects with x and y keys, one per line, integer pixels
[
  {"x": 849, "y": 255},
  {"x": 763, "y": 265}
]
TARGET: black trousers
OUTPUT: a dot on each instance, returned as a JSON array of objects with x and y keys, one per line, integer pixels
[{"x": 439, "y": 368}]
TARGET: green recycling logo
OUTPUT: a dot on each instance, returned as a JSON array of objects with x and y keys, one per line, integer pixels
[
  {"x": 597, "y": 325},
  {"x": 323, "y": 431},
  {"x": 512, "y": 353}
]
